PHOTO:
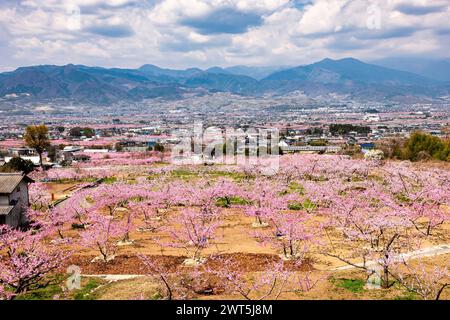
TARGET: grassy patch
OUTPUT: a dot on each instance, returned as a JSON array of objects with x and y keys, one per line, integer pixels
[
  {"x": 85, "y": 293},
  {"x": 187, "y": 174},
  {"x": 306, "y": 205},
  {"x": 353, "y": 285},
  {"x": 44, "y": 293},
  {"x": 309, "y": 205},
  {"x": 153, "y": 176},
  {"x": 225, "y": 203},
  {"x": 403, "y": 197},
  {"x": 182, "y": 174},
  {"x": 295, "y": 187},
  {"x": 236, "y": 176},
  {"x": 110, "y": 180},
  {"x": 296, "y": 206},
  {"x": 407, "y": 296},
  {"x": 157, "y": 296},
  {"x": 375, "y": 178}
]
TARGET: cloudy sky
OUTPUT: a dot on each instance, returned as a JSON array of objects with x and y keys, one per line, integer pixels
[{"x": 204, "y": 33}]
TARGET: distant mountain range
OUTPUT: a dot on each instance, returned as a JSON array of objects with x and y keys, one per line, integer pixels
[
  {"x": 84, "y": 84},
  {"x": 438, "y": 69}
]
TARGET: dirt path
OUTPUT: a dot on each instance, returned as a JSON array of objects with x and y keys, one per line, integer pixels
[
  {"x": 114, "y": 277},
  {"x": 422, "y": 253}
]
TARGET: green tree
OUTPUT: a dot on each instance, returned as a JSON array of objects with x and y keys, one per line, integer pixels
[
  {"x": 52, "y": 152},
  {"x": 318, "y": 143},
  {"x": 393, "y": 148},
  {"x": 118, "y": 147},
  {"x": 422, "y": 143},
  {"x": 347, "y": 128},
  {"x": 79, "y": 132},
  {"x": 314, "y": 131},
  {"x": 17, "y": 164},
  {"x": 36, "y": 137},
  {"x": 159, "y": 147}
]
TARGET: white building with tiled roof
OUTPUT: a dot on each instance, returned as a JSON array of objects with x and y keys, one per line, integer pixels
[{"x": 14, "y": 198}]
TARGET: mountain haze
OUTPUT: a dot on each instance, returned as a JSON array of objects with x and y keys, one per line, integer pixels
[{"x": 438, "y": 69}]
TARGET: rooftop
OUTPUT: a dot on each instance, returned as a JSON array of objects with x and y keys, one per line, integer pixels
[
  {"x": 5, "y": 210},
  {"x": 9, "y": 181}
]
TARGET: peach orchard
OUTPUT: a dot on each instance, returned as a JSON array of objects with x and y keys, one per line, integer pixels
[{"x": 362, "y": 214}]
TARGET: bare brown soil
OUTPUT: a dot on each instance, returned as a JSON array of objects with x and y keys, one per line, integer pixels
[{"x": 132, "y": 264}]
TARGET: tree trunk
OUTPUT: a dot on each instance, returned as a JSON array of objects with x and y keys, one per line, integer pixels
[
  {"x": 40, "y": 160},
  {"x": 385, "y": 280}
]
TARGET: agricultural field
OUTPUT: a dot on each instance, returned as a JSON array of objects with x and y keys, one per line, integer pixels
[{"x": 135, "y": 226}]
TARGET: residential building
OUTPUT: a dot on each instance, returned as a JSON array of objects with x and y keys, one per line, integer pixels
[{"x": 14, "y": 199}]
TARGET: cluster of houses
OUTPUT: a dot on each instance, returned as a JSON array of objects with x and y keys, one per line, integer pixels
[
  {"x": 301, "y": 141},
  {"x": 74, "y": 153}
]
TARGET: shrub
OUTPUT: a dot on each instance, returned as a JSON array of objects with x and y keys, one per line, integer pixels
[
  {"x": 17, "y": 164},
  {"x": 419, "y": 147}
]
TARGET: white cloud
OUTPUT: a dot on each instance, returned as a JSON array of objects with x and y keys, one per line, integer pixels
[{"x": 128, "y": 33}]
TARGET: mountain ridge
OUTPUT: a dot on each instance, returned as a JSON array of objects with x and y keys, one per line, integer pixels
[
  {"x": 99, "y": 85},
  {"x": 438, "y": 69}
]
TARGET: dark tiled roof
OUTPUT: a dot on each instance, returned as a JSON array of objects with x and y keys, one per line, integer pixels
[
  {"x": 9, "y": 181},
  {"x": 5, "y": 210}
]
